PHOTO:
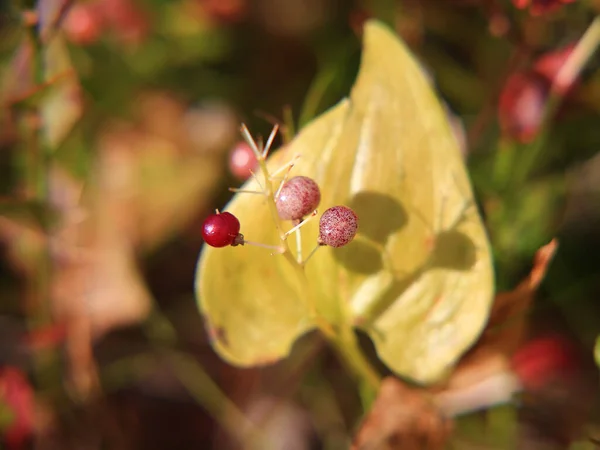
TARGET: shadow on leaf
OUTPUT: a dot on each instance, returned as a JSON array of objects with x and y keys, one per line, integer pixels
[
  {"x": 453, "y": 250},
  {"x": 359, "y": 257},
  {"x": 379, "y": 216}
]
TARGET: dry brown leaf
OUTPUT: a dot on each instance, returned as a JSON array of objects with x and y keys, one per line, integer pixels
[
  {"x": 144, "y": 187},
  {"x": 152, "y": 178},
  {"x": 95, "y": 275},
  {"x": 403, "y": 418},
  {"x": 485, "y": 370}
]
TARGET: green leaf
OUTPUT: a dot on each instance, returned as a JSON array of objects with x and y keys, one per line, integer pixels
[
  {"x": 417, "y": 278},
  {"x": 525, "y": 222}
]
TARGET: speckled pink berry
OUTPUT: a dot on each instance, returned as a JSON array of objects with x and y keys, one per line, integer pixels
[
  {"x": 337, "y": 227},
  {"x": 299, "y": 197}
]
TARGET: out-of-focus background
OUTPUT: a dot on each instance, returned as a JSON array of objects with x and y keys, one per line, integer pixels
[{"x": 119, "y": 134}]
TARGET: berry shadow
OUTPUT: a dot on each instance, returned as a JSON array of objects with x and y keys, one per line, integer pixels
[
  {"x": 453, "y": 250},
  {"x": 359, "y": 257},
  {"x": 379, "y": 216}
]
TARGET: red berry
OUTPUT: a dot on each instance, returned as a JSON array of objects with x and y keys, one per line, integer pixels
[
  {"x": 225, "y": 11},
  {"x": 298, "y": 197},
  {"x": 17, "y": 395},
  {"x": 128, "y": 21},
  {"x": 549, "y": 65},
  {"x": 521, "y": 106},
  {"x": 242, "y": 161},
  {"x": 337, "y": 227},
  {"x": 543, "y": 359},
  {"x": 83, "y": 23},
  {"x": 221, "y": 230},
  {"x": 539, "y": 7}
]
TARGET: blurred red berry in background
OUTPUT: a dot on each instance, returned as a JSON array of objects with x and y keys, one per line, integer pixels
[
  {"x": 539, "y": 7},
  {"x": 523, "y": 98},
  {"x": 45, "y": 337},
  {"x": 16, "y": 393},
  {"x": 242, "y": 161},
  {"x": 521, "y": 106},
  {"x": 127, "y": 20},
  {"x": 225, "y": 11},
  {"x": 549, "y": 65},
  {"x": 545, "y": 359},
  {"x": 560, "y": 385},
  {"x": 84, "y": 23}
]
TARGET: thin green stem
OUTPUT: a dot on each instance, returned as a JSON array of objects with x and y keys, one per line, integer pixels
[
  {"x": 316, "y": 93},
  {"x": 46, "y": 361},
  {"x": 299, "y": 248},
  {"x": 310, "y": 255},
  {"x": 342, "y": 337},
  {"x": 208, "y": 394},
  {"x": 346, "y": 344},
  {"x": 289, "y": 128},
  {"x": 200, "y": 385}
]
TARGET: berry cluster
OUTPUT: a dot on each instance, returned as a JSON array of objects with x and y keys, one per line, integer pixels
[{"x": 295, "y": 200}]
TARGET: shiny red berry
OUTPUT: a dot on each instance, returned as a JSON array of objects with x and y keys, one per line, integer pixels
[
  {"x": 337, "y": 227},
  {"x": 242, "y": 161},
  {"x": 299, "y": 197},
  {"x": 221, "y": 230}
]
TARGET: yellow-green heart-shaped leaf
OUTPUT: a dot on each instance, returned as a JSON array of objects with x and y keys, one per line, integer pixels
[{"x": 418, "y": 276}]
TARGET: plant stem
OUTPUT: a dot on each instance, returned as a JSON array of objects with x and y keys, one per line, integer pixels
[
  {"x": 289, "y": 129},
  {"x": 269, "y": 193},
  {"x": 347, "y": 346},
  {"x": 46, "y": 361},
  {"x": 342, "y": 338},
  {"x": 201, "y": 386},
  {"x": 208, "y": 394}
]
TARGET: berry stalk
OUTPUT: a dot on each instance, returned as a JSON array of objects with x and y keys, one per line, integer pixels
[
  {"x": 261, "y": 156},
  {"x": 341, "y": 337}
]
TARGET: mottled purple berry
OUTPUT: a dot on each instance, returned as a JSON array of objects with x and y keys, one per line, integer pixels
[
  {"x": 299, "y": 197},
  {"x": 221, "y": 230},
  {"x": 337, "y": 227}
]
